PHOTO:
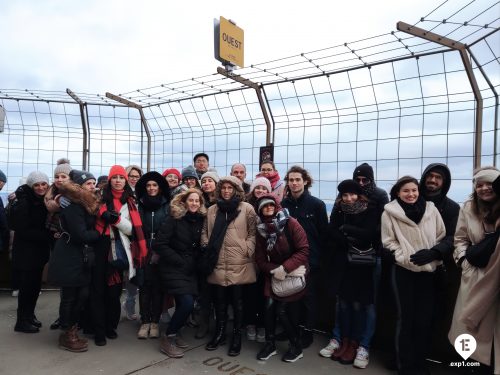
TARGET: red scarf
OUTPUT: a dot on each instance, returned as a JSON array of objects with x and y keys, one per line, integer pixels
[
  {"x": 273, "y": 178},
  {"x": 138, "y": 248}
]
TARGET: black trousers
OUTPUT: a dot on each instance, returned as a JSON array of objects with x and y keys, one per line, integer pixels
[
  {"x": 73, "y": 301},
  {"x": 225, "y": 295},
  {"x": 30, "y": 283},
  {"x": 415, "y": 297},
  {"x": 254, "y": 302},
  {"x": 288, "y": 315},
  {"x": 104, "y": 306},
  {"x": 310, "y": 300},
  {"x": 150, "y": 302}
]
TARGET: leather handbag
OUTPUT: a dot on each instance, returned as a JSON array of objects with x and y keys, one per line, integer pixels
[
  {"x": 289, "y": 286},
  {"x": 359, "y": 257}
]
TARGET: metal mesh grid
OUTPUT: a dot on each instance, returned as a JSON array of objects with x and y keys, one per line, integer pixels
[{"x": 395, "y": 101}]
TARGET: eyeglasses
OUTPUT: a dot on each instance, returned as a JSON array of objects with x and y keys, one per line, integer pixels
[
  {"x": 134, "y": 176},
  {"x": 363, "y": 180}
]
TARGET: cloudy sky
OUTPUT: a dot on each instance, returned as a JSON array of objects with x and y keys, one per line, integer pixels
[{"x": 95, "y": 46}]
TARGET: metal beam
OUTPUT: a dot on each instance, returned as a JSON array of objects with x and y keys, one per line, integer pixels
[
  {"x": 462, "y": 49},
  {"x": 143, "y": 122},
  {"x": 258, "y": 91},
  {"x": 85, "y": 129}
]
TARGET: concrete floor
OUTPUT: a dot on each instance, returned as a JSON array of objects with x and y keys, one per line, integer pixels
[{"x": 38, "y": 354}]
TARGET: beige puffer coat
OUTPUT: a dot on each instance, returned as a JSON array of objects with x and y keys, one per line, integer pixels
[
  {"x": 402, "y": 236},
  {"x": 477, "y": 309},
  {"x": 236, "y": 264}
]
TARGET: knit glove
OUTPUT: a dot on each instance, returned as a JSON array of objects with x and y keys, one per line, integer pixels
[
  {"x": 110, "y": 217},
  {"x": 479, "y": 254},
  {"x": 299, "y": 272},
  {"x": 279, "y": 273},
  {"x": 424, "y": 256},
  {"x": 64, "y": 202}
]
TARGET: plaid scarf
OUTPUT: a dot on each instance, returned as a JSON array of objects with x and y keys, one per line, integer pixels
[
  {"x": 138, "y": 248},
  {"x": 271, "y": 230}
]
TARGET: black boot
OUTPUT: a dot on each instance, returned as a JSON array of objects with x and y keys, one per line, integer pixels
[
  {"x": 36, "y": 322},
  {"x": 24, "y": 325},
  {"x": 56, "y": 324},
  {"x": 219, "y": 337},
  {"x": 235, "y": 347}
]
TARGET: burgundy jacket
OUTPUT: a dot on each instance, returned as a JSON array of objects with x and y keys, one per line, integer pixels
[{"x": 280, "y": 255}]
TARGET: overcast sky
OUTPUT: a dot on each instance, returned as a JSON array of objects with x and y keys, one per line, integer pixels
[{"x": 95, "y": 46}]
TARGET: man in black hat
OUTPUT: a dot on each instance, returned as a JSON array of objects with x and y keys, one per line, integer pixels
[
  {"x": 201, "y": 163},
  {"x": 363, "y": 175}
]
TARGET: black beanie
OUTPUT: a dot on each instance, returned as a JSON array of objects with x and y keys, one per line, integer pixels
[
  {"x": 80, "y": 177},
  {"x": 364, "y": 170},
  {"x": 350, "y": 186}
]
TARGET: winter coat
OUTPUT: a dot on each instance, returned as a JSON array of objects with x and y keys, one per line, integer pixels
[
  {"x": 4, "y": 228},
  {"x": 30, "y": 249},
  {"x": 66, "y": 266},
  {"x": 235, "y": 264},
  {"x": 151, "y": 224},
  {"x": 404, "y": 237},
  {"x": 479, "y": 287},
  {"x": 355, "y": 283},
  {"x": 448, "y": 209},
  {"x": 311, "y": 214},
  {"x": 178, "y": 244},
  {"x": 281, "y": 255}
]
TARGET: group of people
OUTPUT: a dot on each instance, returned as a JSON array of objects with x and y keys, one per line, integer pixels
[{"x": 201, "y": 242}]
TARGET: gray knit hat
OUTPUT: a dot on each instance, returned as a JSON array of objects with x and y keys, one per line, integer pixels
[
  {"x": 63, "y": 166},
  {"x": 189, "y": 171},
  {"x": 136, "y": 167},
  {"x": 80, "y": 177},
  {"x": 235, "y": 181},
  {"x": 36, "y": 177},
  {"x": 214, "y": 176},
  {"x": 3, "y": 177}
]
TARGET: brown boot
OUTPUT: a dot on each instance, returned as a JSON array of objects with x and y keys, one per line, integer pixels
[
  {"x": 69, "y": 340},
  {"x": 337, "y": 353},
  {"x": 349, "y": 354},
  {"x": 167, "y": 346}
]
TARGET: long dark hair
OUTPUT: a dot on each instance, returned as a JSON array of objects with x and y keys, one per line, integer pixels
[{"x": 107, "y": 195}]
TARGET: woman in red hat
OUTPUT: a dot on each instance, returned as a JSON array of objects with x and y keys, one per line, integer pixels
[{"x": 119, "y": 253}]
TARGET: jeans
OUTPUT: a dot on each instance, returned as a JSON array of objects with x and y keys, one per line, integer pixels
[
  {"x": 368, "y": 315},
  {"x": 184, "y": 304},
  {"x": 130, "y": 295}
]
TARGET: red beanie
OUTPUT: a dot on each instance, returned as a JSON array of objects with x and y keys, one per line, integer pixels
[
  {"x": 172, "y": 171},
  {"x": 117, "y": 169}
]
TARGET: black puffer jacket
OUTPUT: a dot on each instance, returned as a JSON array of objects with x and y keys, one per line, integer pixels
[
  {"x": 77, "y": 221},
  {"x": 31, "y": 239},
  {"x": 66, "y": 267},
  {"x": 178, "y": 244},
  {"x": 448, "y": 209}
]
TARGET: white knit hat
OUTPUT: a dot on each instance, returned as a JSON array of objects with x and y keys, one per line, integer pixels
[
  {"x": 36, "y": 177},
  {"x": 262, "y": 181},
  {"x": 485, "y": 174}
]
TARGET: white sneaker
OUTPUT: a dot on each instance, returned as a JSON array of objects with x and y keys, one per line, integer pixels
[
  {"x": 15, "y": 293},
  {"x": 261, "y": 335},
  {"x": 251, "y": 332},
  {"x": 328, "y": 350},
  {"x": 362, "y": 358}
]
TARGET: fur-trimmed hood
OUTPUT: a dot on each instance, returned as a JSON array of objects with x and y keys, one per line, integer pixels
[
  {"x": 77, "y": 194},
  {"x": 178, "y": 208}
]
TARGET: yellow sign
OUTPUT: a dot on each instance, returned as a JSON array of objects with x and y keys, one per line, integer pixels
[{"x": 231, "y": 42}]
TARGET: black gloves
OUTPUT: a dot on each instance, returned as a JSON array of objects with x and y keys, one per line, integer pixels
[
  {"x": 424, "y": 256},
  {"x": 479, "y": 254},
  {"x": 110, "y": 217}
]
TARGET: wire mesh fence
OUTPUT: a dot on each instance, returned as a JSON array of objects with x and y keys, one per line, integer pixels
[{"x": 396, "y": 101}]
